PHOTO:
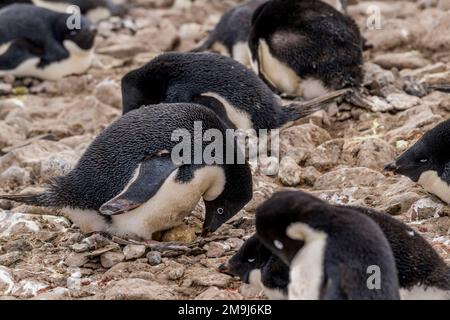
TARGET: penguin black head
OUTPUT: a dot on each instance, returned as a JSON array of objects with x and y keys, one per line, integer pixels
[
  {"x": 236, "y": 194},
  {"x": 83, "y": 36},
  {"x": 252, "y": 255},
  {"x": 428, "y": 161}
]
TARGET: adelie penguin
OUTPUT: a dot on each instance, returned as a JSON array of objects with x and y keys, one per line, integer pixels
[
  {"x": 95, "y": 10},
  {"x": 331, "y": 252},
  {"x": 305, "y": 48},
  {"x": 128, "y": 183},
  {"x": 422, "y": 273},
  {"x": 427, "y": 162},
  {"x": 37, "y": 42},
  {"x": 231, "y": 90},
  {"x": 230, "y": 36},
  {"x": 260, "y": 268}
]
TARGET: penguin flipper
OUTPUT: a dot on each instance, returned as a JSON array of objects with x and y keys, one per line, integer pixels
[
  {"x": 19, "y": 51},
  {"x": 145, "y": 183}
]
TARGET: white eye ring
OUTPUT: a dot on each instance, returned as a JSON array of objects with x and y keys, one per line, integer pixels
[
  {"x": 220, "y": 210},
  {"x": 423, "y": 160},
  {"x": 278, "y": 244},
  {"x": 251, "y": 260}
]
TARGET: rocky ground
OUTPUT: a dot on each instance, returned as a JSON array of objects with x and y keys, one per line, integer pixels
[{"x": 339, "y": 156}]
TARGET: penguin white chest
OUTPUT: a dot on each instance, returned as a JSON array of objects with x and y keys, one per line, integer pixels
[
  {"x": 52, "y": 5},
  {"x": 168, "y": 207},
  {"x": 282, "y": 77},
  {"x": 420, "y": 292},
  {"x": 241, "y": 53},
  {"x": 306, "y": 269},
  {"x": 431, "y": 182},
  {"x": 78, "y": 62},
  {"x": 255, "y": 281}
]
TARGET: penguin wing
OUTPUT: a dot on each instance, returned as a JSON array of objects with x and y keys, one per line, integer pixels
[
  {"x": 19, "y": 51},
  {"x": 145, "y": 183}
]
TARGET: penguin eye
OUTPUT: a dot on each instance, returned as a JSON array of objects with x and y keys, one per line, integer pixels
[
  {"x": 251, "y": 260},
  {"x": 423, "y": 160},
  {"x": 278, "y": 244},
  {"x": 220, "y": 210}
]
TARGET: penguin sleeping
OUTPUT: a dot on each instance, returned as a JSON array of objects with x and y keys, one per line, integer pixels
[
  {"x": 127, "y": 184},
  {"x": 331, "y": 251},
  {"x": 224, "y": 85},
  {"x": 427, "y": 162},
  {"x": 421, "y": 272},
  {"x": 305, "y": 48},
  {"x": 37, "y": 42},
  {"x": 95, "y": 10},
  {"x": 230, "y": 36},
  {"x": 258, "y": 266}
]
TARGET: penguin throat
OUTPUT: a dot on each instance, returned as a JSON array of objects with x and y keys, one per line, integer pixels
[{"x": 431, "y": 182}]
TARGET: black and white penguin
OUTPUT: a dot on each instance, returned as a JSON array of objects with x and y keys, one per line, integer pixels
[
  {"x": 226, "y": 86},
  {"x": 37, "y": 42},
  {"x": 422, "y": 273},
  {"x": 259, "y": 267},
  {"x": 230, "y": 35},
  {"x": 305, "y": 48},
  {"x": 95, "y": 10},
  {"x": 427, "y": 162},
  {"x": 332, "y": 252},
  {"x": 129, "y": 183}
]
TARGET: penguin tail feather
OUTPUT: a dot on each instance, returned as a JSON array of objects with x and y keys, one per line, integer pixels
[
  {"x": 35, "y": 199},
  {"x": 203, "y": 45},
  {"x": 306, "y": 108},
  {"x": 439, "y": 87}
]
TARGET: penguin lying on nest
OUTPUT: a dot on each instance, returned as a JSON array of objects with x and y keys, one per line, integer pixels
[
  {"x": 422, "y": 273},
  {"x": 95, "y": 10},
  {"x": 331, "y": 251},
  {"x": 427, "y": 162},
  {"x": 305, "y": 48},
  {"x": 224, "y": 85},
  {"x": 127, "y": 184},
  {"x": 37, "y": 42}
]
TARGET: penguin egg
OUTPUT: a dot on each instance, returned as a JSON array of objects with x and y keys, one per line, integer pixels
[
  {"x": 278, "y": 244},
  {"x": 220, "y": 210}
]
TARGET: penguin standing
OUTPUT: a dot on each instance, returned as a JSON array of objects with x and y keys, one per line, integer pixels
[
  {"x": 230, "y": 36},
  {"x": 259, "y": 267},
  {"x": 333, "y": 253},
  {"x": 95, "y": 10},
  {"x": 427, "y": 162},
  {"x": 128, "y": 183},
  {"x": 224, "y": 85},
  {"x": 305, "y": 47},
  {"x": 37, "y": 42}
]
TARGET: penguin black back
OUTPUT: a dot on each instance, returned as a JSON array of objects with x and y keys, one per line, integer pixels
[
  {"x": 224, "y": 85},
  {"x": 310, "y": 38},
  {"x": 303, "y": 231}
]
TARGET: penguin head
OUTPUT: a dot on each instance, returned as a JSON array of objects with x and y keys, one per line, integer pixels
[
  {"x": 276, "y": 216},
  {"x": 236, "y": 194},
  {"x": 252, "y": 255},
  {"x": 429, "y": 153},
  {"x": 83, "y": 35}
]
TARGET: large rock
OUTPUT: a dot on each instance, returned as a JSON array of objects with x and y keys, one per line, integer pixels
[
  {"x": 327, "y": 155},
  {"x": 369, "y": 152},
  {"x": 401, "y": 60},
  {"x": 215, "y": 293},
  {"x": 138, "y": 289},
  {"x": 303, "y": 136},
  {"x": 349, "y": 177},
  {"x": 207, "y": 277},
  {"x": 289, "y": 172}
]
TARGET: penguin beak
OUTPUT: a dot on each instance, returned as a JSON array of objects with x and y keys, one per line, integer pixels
[
  {"x": 224, "y": 268},
  {"x": 391, "y": 167}
]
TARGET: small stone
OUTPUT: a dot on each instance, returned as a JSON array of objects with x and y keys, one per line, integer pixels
[
  {"x": 109, "y": 93},
  {"x": 290, "y": 172},
  {"x": 10, "y": 258},
  {"x": 310, "y": 175},
  {"x": 80, "y": 247},
  {"x": 181, "y": 233},
  {"x": 234, "y": 243},
  {"x": 401, "y": 60},
  {"x": 96, "y": 241},
  {"x": 216, "y": 249},
  {"x": 175, "y": 272},
  {"x": 207, "y": 277},
  {"x": 6, "y": 281},
  {"x": 133, "y": 251},
  {"x": 76, "y": 259},
  {"x": 5, "y": 88},
  {"x": 154, "y": 258},
  {"x": 110, "y": 259},
  {"x": 424, "y": 209},
  {"x": 215, "y": 293},
  {"x": 28, "y": 288},
  {"x": 349, "y": 177}
]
